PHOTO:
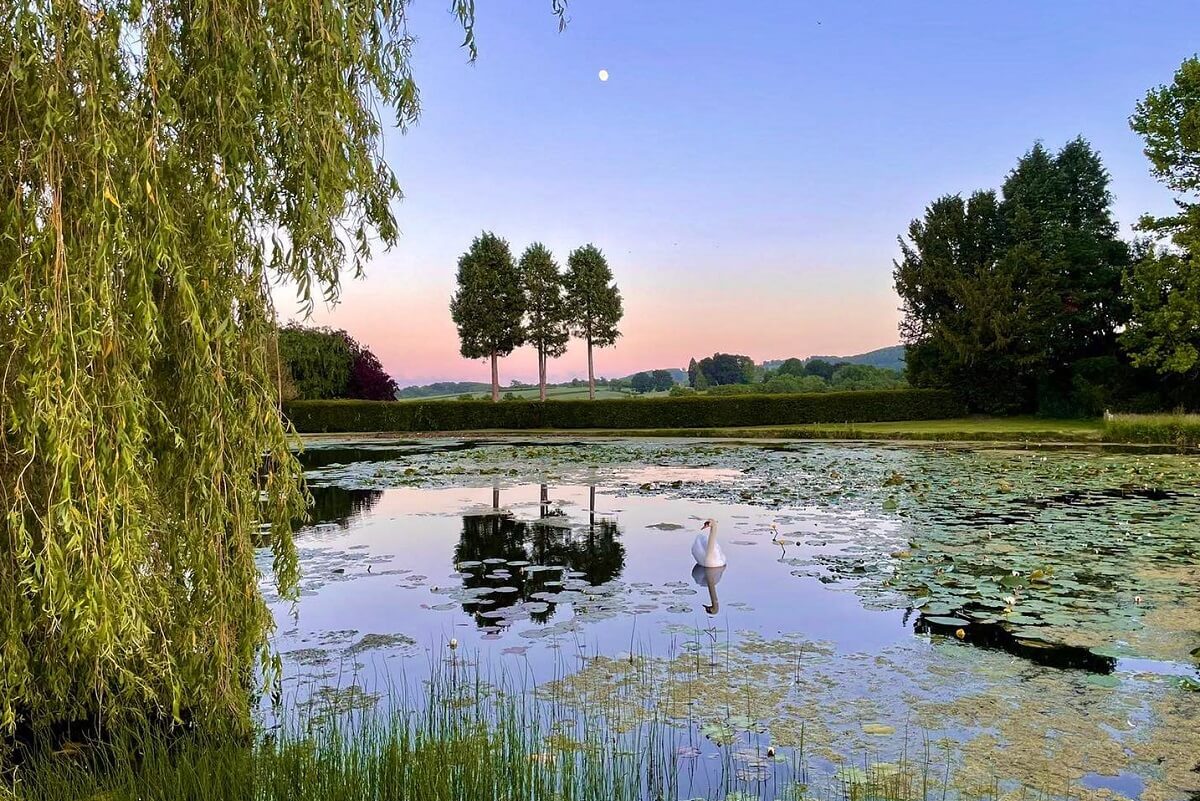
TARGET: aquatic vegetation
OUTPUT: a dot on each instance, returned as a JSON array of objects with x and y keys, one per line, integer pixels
[
  {"x": 912, "y": 604},
  {"x": 790, "y": 694},
  {"x": 1008, "y": 539},
  {"x": 636, "y": 728}
]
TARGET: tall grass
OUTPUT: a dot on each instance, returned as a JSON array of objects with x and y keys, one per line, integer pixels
[
  {"x": 1178, "y": 429},
  {"x": 463, "y": 739}
]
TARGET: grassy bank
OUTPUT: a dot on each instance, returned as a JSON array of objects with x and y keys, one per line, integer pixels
[
  {"x": 964, "y": 429},
  {"x": 1179, "y": 431}
]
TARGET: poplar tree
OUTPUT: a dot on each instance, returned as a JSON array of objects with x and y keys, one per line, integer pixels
[
  {"x": 546, "y": 329},
  {"x": 594, "y": 303},
  {"x": 489, "y": 306}
]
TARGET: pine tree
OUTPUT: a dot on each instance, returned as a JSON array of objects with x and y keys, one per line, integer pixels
[
  {"x": 1002, "y": 298},
  {"x": 489, "y": 306}
]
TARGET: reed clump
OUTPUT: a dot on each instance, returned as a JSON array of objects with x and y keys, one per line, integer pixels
[
  {"x": 1182, "y": 430},
  {"x": 463, "y": 738}
]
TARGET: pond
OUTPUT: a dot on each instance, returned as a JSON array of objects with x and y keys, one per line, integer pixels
[{"x": 1027, "y": 620}]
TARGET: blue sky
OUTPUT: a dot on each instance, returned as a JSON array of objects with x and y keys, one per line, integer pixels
[{"x": 747, "y": 167}]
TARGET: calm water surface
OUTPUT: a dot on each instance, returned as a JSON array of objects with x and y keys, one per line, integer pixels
[{"x": 1041, "y": 610}]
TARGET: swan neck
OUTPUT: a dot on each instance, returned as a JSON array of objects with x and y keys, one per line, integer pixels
[{"x": 712, "y": 540}]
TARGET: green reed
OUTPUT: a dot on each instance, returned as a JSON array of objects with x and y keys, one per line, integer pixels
[
  {"x": 1175, "y": 429},
  {"x": 465, "y": 736}
]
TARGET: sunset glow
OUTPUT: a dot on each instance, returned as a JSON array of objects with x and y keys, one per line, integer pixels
[{"x": 745, "y": 204}]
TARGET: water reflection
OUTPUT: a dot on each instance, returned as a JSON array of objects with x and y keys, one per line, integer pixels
[
  {"x": 316, "y": 457},
  {"x": 341, "y": 506},
  {"x": 709, "y": 577},
  {"x": 516, "y": 569}
]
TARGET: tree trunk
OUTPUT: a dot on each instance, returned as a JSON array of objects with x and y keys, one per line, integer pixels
[
  {"x": 495, "y": 379},
  {"x": 542, "y": 376},
  {"x": 591, "y": 375}
]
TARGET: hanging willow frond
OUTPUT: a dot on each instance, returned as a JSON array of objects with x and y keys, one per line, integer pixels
[{"x": 163, "y": 161}]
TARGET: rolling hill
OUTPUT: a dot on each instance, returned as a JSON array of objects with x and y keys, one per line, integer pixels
[
  {"x": 889, "y": 358},
  {"x": 679, "y": 376}
]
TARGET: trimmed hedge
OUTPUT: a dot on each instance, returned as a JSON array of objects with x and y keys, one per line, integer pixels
[{"x": 311, "y": 417}]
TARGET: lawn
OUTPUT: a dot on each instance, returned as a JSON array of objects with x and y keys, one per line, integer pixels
[
  {"x": 963, "y": 429},
  {"x": 996, "y": 429},
  {"x": 1167, "y": 430}
]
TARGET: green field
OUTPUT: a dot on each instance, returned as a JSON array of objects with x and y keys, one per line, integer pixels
[{"x": 552, "y": 393}]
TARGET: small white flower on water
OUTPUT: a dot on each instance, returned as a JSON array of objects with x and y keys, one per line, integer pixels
[
  {"x": 1010, "y": 600},
  {"x": 453, "y": 643}
]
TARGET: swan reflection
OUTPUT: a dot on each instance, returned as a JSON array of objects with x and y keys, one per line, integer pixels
[{"x": 709, "y": 577}]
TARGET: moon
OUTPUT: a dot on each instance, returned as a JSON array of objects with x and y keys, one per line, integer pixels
[{"x": 603, "y": 75}]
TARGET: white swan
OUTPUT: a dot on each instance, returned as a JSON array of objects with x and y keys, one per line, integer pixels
[{"x": 705, "y": 550}]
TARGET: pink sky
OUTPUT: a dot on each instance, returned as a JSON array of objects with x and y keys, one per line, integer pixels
[
  {"x": 747, "y": 203},
  {"x": 401, "y": 313}
]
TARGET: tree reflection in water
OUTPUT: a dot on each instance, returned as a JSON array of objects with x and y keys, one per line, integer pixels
[
  {"x": 594, "y": 552},
  {"x": 339, "y": 505}
]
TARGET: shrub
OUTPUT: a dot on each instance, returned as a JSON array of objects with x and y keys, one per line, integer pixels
[
  {"x": 695, "y": 411},
  {"x": 321, "y": 363},
  {"x": 733, "y": 389},
  {"x": 787, "y": 383},
  {"x": 864, "y": 376}
]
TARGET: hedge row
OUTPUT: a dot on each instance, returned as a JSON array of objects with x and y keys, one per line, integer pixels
[{"x": 682, "y": 412}]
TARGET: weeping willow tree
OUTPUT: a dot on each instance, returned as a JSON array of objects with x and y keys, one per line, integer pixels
[{"x": 163, "y": 162}]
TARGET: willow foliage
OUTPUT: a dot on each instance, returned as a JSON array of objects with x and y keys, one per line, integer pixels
[{"x": 163, "y": 162}]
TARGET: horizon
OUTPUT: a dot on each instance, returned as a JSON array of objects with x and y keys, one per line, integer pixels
[
  {"x": 767, "y": 228},
  {"x": 682, "y": 368}
]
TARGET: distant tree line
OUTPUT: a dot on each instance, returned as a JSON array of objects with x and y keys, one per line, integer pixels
[
  {"x": 1028, "y": 299},
  {"x": 651, "y": 381},
  {"x": 501, "y": 304},
  {"x": 719, "y": 369},
  {"x": 324, "y": 363},
  {"x": 732, "y": 374}
]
